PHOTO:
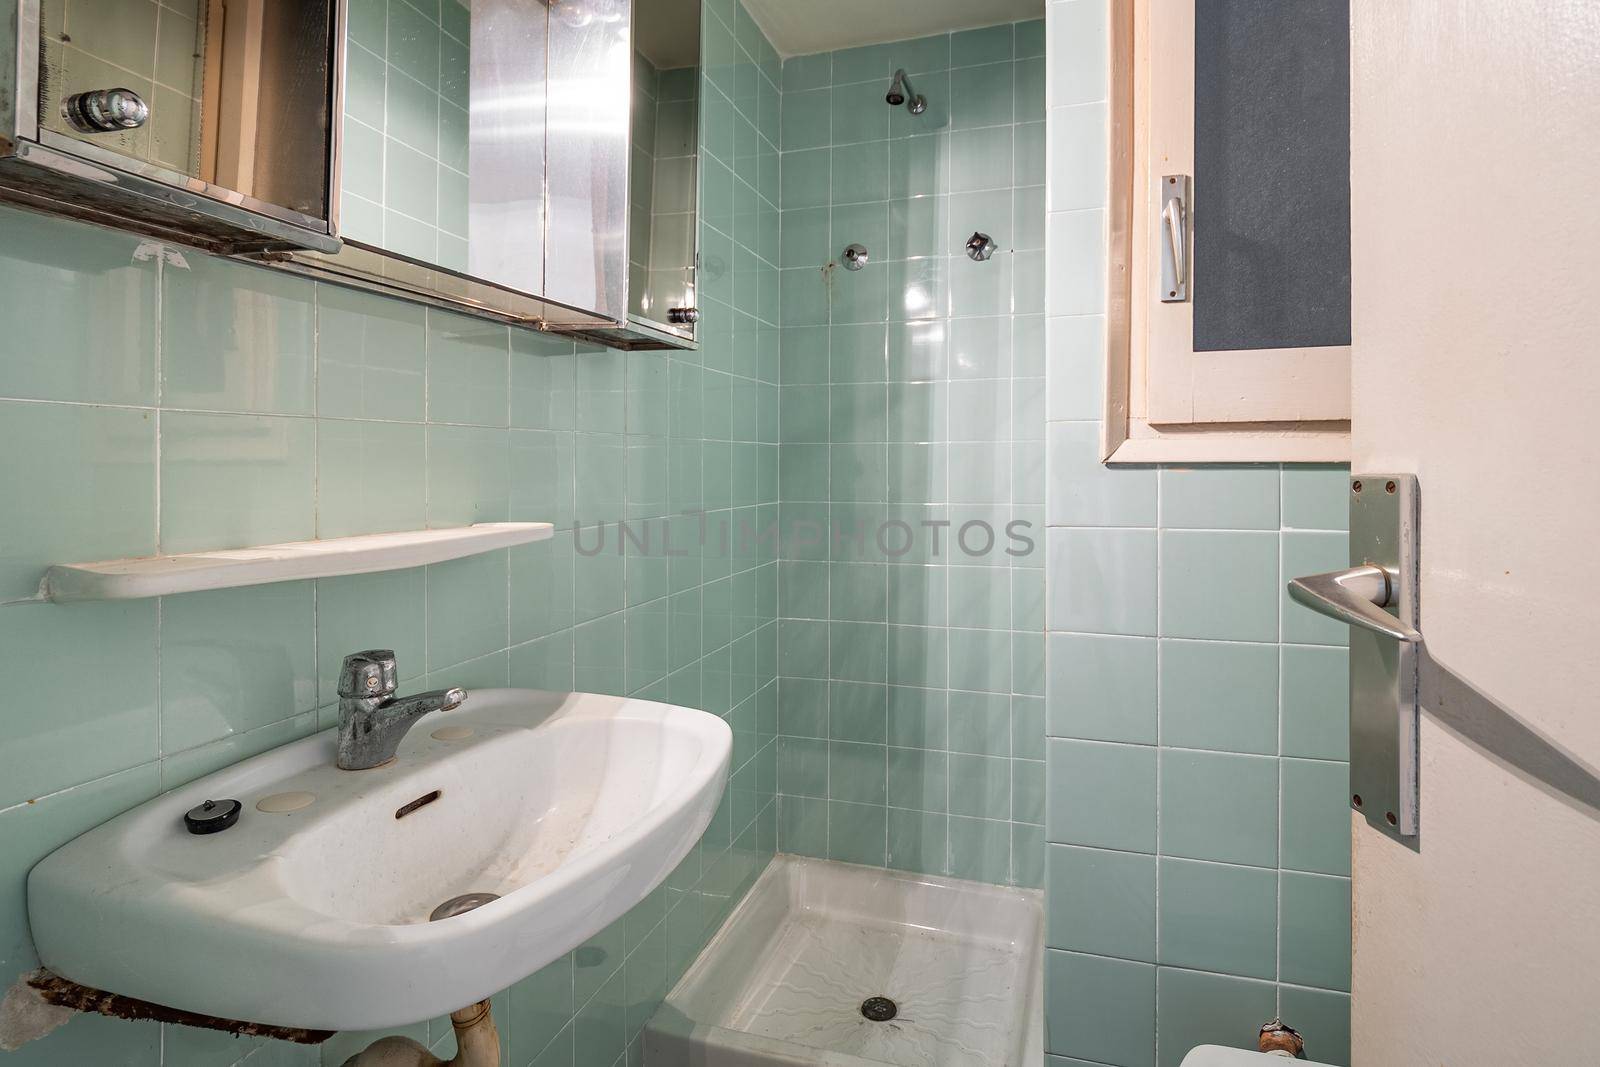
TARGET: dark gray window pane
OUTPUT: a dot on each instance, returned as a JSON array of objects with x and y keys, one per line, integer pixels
[{"x": 1272, "y": 174}]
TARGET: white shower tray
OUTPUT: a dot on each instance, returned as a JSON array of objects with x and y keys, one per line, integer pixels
[{"x": 784, "y": 981}]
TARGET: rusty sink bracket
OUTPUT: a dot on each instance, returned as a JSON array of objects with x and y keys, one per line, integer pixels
[{"x": 68, "y": 994}]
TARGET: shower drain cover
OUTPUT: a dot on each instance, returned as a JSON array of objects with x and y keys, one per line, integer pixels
[{"x": 879, "y": 1009}]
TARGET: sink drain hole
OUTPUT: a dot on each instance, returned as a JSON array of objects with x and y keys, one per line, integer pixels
[{"x": 879, "y": 1009}]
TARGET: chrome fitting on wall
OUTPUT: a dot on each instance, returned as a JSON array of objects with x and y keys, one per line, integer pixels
[{"x": 105, "y": 110}]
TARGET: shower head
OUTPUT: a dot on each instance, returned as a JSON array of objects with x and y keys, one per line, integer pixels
[{"x": 900, "y": 92}]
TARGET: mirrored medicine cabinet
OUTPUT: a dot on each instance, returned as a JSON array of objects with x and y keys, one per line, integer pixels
[{"x": 531, "y": 161}]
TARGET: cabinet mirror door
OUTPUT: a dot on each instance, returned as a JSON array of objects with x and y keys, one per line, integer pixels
[
  {"x": 663, "y": 183},
  {"x": 229, "y": 99},
  {"x": 443, "y": 155}
]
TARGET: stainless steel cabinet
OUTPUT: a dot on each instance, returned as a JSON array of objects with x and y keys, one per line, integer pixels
[
  {"x": 527, "y": 160},
  {"x": 501, "y": 160},
  {"x": 205, "y": 122}
]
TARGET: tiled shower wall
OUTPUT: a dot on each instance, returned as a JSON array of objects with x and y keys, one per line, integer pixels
[
  {"x": 911, "y": 647},
  {"x": 202, "y": 403},
  {"x": 1197, "y": 811}
]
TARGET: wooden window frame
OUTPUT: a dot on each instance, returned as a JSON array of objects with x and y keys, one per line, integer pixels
[{"x": 1252, "y": 406}]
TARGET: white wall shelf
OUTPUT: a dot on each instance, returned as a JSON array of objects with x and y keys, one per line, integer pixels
[{"x": 133, "y": 579}]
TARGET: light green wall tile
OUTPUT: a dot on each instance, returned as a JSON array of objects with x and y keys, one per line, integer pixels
[
  {"x": 371, "y": 477},
  {"x": 468, "y": 370},
  {"x": 1316, "y": 816},
  {"x": 981, "y": 95},
  {"x": 990, "y": 44},
  {"x": 1102, "y": 688},
  {"x": 980, "y": 660},
  {"x": 1027, "y": 855},
  {"x": 1322, "y": 1014},
  {"x": 1219, "y": 695},
  {"x": 234, "y": 660},
  {"x": 807, "y": 72},
  {"x": 468, "y": 475},
  {"x": 236, "y": 338},
  {"x": 86, "y": 492},
  {"x": 857, "y": 833},
  {"x": 807, "y": 118},
  {"x": 1219, "y": 585},
  {"x": 858, "y": 113},
  {"x": 980, "y": 849},
  {"x": 1220, "y": 498},
  {"x": 1209, "y": 1009},
  {"x": 55, "y": 351},
  {"x": 922, "y": 54},
  {"x": 1316, "y": 498},
  {"x": 1084, "y": 492},
  {"x": 1100, "y": 1009},
  {"x": 857, "y": 773},
  {"x": 1316, "y": 930},
  {"x": 981, "y": 159},
  {"x": 60, "y": 732},
  {"x": 1102, "y": 902},
  {"x": 1219, "y": 806},
  {"x": 1029, "y": 38},
  {"x": 1218, "y": 917},
  {"x": 229, "y": 481},
  {"x": 1102, "y": 581},
  {"x": 802, "y": 824},
  {"x": 1102, "y": 795},
  {"x": 370, "y": 356},
  {"x": 980, "y": 786},
  {"x": 918, "y": 841},
  {"x": 919, "y": 779},
  {"x": 1316, "y": 702}
]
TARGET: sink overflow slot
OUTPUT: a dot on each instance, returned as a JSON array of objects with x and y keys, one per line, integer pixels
[{"x": 421, "y": 802}]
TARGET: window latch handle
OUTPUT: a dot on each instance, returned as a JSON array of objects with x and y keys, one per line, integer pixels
[{"x": 1175, "y": 238}]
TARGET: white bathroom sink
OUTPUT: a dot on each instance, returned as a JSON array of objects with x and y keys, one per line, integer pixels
[{"x": 571, "y": 807}]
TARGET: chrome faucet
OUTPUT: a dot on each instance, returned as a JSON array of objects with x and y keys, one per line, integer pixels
[{"x": 372, "y": 720}]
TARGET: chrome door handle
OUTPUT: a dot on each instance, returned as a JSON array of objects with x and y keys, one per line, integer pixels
[{"x": 1357, "y": 596}]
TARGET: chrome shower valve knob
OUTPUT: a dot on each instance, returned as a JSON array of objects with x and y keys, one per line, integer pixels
[{"x": 980, "y": 246}]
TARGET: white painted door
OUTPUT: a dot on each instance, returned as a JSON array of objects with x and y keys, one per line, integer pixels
[{"x": 1475, "y": 159}]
